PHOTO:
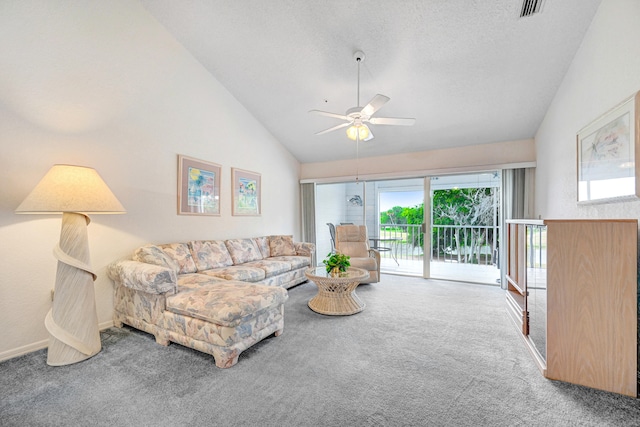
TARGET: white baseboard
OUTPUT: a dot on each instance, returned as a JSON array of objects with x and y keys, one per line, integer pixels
[
  {"x": 15, "y": 352},
  {"x": 29, "y": 348},
  {"x": 105, "y": 325}
]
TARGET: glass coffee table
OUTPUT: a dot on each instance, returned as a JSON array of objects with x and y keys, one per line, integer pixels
[{"x": 336, "y": 295}]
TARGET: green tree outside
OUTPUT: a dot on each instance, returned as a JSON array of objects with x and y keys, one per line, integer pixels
[
  {"x": 468, "y": 207},
  {"x": 393, "y": 216},
  {"x": 459, "y": 207},
  {"x": 405, "y": 215}
]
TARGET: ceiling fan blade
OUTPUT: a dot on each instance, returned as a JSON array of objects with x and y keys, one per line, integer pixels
[
  {"x": 328, "y": 114},
  {"x": 392, "y": 121},
  {"x": 375, "y": 104},
  {"x": 343, "y": 125}
]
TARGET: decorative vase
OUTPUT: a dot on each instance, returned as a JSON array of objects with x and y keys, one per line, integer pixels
[{"x": 335, "y": 272}]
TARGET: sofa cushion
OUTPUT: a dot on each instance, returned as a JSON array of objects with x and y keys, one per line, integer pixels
[
  {"x": 237, "y": 272},
  {"x": 210, "y": 254},
  {"x": 227, "y": 303},
  {"x": 263, "y": 245},
  {"x": 196, "y": 280},
  {"x": 243, "y": 250},
  {"x": 369, "y": 264},
  {"x": 181, "y": 255},
  {"x": 152, "y": 254},
  {"x": 295, "y": 261},
  {"x": 281, "y": 246},
  {"x": 270, "y": 267}
]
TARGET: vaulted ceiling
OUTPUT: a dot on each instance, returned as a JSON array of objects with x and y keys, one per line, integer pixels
[{"x": 469, "y": 71}]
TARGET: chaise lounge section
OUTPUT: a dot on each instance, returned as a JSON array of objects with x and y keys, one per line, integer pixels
[{"x": 218, "y": 297}]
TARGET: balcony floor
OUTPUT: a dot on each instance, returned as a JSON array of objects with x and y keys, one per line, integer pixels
[{"x": 485, "y": 274}]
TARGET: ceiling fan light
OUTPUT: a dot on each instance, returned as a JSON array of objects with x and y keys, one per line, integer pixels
[{"x": 358, "y": 132}]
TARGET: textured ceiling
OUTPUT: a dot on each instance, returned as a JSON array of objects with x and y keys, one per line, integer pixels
[{"x": 469, "y": 71}]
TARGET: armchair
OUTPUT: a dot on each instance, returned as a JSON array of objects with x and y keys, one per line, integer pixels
[{"x": 353, "y": 240}]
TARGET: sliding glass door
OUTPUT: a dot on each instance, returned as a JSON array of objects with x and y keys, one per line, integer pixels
[
  {"x": 336, "y": 204},
  {"x": 398, "y": 225},
  {"x": 465, "y": 227},
  {"x": 452, "y": 234}
]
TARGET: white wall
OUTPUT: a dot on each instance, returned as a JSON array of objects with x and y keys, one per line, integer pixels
[
  {"x": 103, "y": 84},
  {"x": 353, "y": 214},
  {"x": 604, "y": 72},
  {"x": 484, "y": 157}
]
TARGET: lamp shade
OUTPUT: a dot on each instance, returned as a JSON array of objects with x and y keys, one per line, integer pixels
[
  {"x": 67, "y": 188},
  {"x": 360, "y": 132}
]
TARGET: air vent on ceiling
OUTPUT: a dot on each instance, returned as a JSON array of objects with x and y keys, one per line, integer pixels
[{"x": 530, "y": 7}]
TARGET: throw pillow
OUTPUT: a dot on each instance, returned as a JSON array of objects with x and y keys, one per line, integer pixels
[
  {"x": 281, "y": 246},
  {"x": 221, "y": 255},
  {"x": 263, "y": 245},
  {"x": 181, "y": 255},
  {"x": 210, "y": 254},
  {"x": 243, "y": 250},
  {"x": 151, "y": 254}
]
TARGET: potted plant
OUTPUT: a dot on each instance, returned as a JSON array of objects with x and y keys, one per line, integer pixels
[{"x": 336, "y": 263}]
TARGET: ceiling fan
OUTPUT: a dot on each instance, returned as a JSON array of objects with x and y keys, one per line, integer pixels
[{"x": 356, "y": 118}]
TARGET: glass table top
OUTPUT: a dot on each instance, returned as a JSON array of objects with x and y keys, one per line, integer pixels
[{"x": 351, "y": 273}]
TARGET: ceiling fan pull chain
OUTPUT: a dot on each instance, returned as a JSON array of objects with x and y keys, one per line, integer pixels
[{"x": 357, "y": 157}]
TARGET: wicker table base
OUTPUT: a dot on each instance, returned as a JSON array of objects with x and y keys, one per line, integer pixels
[{"x": 336, "y": 295}]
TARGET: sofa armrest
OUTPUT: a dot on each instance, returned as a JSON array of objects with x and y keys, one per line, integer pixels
[
  {"x": 304, "y": 248},
  {"x": 374, "y": 253},
  {"x": 149, "y": 278}
]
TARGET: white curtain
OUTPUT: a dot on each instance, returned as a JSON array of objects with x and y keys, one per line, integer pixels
[
  {"x": 308, "y": 197},
  {"x": 518, "y": 187}
]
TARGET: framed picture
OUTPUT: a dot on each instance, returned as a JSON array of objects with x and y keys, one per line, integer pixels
[
  {"x": 198, "y": 187},
  {"x": 246, "y": 192},
  {"x": 608, "y": 153}
]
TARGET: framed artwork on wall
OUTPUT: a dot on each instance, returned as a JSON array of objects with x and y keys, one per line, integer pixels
[
  {"x": 246, "y": 192},
  {"x": 608, "y": 153},
  {"x": 198, "y": 187}
]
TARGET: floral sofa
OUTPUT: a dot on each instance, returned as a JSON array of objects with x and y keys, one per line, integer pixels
[{"x": 218, "y": 297}]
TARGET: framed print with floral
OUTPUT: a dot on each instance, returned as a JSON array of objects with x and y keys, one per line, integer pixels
[
  {"x": 198, "y": 187},
  {"x": 608, "y": 149},
  {"x": 246, "y": 192}
]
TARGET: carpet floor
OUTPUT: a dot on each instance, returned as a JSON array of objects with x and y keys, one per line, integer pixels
[{"x": 422, "y": 353}]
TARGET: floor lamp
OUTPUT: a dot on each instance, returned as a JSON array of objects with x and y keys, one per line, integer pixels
[{"x": 72, "y": 322}]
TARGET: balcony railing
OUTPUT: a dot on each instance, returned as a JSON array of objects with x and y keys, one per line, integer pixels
[
  {"x": 403, "y": 241},
  {"x": 465, "y": 244},
  {"x": 450, "y": 243}
]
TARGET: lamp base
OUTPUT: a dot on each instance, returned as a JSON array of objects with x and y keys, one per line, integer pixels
[{"x": 72, "y": 321}]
